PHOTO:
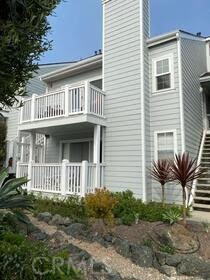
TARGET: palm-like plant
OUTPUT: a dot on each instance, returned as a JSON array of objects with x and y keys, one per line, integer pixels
[
  {"x": 11, "y": 197},
  {"x": 160, "y": 172},
  {"x": 184, "y": 171}
]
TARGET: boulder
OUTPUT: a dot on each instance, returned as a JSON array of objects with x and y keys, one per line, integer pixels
[
  {"x": 39, "y": 235},
  {"x": 56, "y": 220},
  {"x": 45, "y": 217},
  {"x": 168, "y": 270},
  {"x": 76, "y": 230},
  {"x": 194, "y": 266},
  {"x": 122, "y": 247},
  {"x": 142, "y": 255},
  {"x": 178, "y": 237}
]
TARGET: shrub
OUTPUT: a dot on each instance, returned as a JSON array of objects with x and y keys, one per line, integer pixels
[
  {"x": 101, "y": 204},
  {"x": 127, "y": 207},
  {"x": 72, "y": 207},
  {"x": 167, "y": 249},
  {"x": 171, "y": 216},
  {"x": 19, "y": 257}
]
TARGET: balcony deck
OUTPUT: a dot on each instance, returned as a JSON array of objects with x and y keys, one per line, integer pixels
[{"x": 73, "y": 104}]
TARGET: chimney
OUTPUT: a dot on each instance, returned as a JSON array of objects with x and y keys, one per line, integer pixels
[{"x": 198, "y": 34}]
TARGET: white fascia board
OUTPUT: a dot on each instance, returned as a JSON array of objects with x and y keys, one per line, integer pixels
[{"x": 70, "y": 69}]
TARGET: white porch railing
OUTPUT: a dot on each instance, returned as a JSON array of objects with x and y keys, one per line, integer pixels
[
  {"x": 81, "y": 99},
  {"x": 62, "y": 178}
]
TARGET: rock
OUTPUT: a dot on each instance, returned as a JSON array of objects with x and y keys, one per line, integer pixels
[
  {"x": 168, "y": 270},
  {"x": 142, "y": 255},
  {"x": 122, "y": 247},
  {"x": 39, "y": 235},
  {"x": 76, "y": 230},
  {"x": 173, "y": 260},
  {"x": 194, "y": 266},
  {"x": 178, "y": 237},
  {"x": 45, "y": 217},
  {"x": 66, "y": 221},
  {"x": 56, "y": 220},
  {"x": 161, "y": 258}
]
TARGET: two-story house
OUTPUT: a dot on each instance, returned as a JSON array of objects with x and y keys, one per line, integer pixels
[{"x": 103, "y": 120}]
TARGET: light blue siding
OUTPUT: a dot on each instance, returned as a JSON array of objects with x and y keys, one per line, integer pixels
[
  {"x": 193, "y": 65},
  {"x": 123, "y": 85}
]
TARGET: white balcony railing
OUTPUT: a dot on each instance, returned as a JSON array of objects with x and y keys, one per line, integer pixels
[
  {"x": 61, "y": 178},
  {"x": 82, "y": 99}
]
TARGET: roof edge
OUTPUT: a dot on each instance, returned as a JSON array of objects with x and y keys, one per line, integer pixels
[{"x": 91, "y": 61}]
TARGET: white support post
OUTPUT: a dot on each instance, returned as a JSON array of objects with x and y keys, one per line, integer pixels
[
  {"x": 21, "y": 115},
  {"x": 64, "y": 176},
  {"x": 66, "y": 99},
  {"x": 22, "y": 150},
  {"x": 33, "y": 107},
  {"x": 96, "y": 153},
  {"x": 84, "y": 177},
  {"x": 32, "y": 146},
  {"x": 87, "y": 97}
]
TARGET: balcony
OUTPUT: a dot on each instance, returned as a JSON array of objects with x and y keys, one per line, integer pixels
[{"x": 73, "y": 104}]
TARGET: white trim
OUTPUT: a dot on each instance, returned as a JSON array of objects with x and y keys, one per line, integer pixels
[
  {"x": 181, "y": 93},
  {"x": 174, "y": 131},
  {"x": 170, "y": 57},
  {"x": 142, "y": 81}
]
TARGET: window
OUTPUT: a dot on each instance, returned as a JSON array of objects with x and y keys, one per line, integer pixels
[
  {"x": 165, "y": 143},
  {"x": 163, "y": 74}
]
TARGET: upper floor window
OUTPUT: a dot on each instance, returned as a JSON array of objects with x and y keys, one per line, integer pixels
[
  {"x": 163, "y": 76},
  {"x": 165, "y": 145}
]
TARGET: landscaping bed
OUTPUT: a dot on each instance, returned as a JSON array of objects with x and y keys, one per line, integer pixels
[{"x": 150, "y": 235}]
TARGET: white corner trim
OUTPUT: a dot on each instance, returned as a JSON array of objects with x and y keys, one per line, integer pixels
[
  {"x": 174, "y": 131},
  {"x": 142, "y": 101},
  {"x": 181, "y": 93}
]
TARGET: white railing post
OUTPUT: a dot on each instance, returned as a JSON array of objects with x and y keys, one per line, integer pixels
[
  {"x": 87, "y": 97},
  {"x": 18, "y": 169},
  {"x": 84, "y": 177},
  {"x": 33, "y": 107},
  {"x": 21, "y": 112},
  {"x": 30, "y": 175},
  {"x": 66, "y": 100},
  {"x": 64, "y": 176}
]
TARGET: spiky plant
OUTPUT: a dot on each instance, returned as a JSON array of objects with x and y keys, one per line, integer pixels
[
  {"x": 11, "y": 195},
  {"x": 184, "y": 170},
  {"x": 160, "y": 172}
]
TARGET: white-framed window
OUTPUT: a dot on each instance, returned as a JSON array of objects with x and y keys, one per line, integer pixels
[
  {"x": 165, "y": 144},
  {"x": 163, "y": 73}
]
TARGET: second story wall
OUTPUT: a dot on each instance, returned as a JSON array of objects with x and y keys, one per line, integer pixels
[
  {"x": 164, "y": 109},
  {"x": 91, "y": 75},
  {"x": 193, "y": 58}
]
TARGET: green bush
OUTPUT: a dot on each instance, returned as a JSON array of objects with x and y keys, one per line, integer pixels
[
  {"x": 19, "y": 261},
  {"x": 72, "y": 207},
  {"x": 127, "y": 207},
  {"x": 100, "y": 205}
]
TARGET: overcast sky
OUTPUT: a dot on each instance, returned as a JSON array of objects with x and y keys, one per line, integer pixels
[{"x": 77, "y": 25}]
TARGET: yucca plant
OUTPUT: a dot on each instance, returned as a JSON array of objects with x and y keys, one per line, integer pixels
[
  {"x": 12, "y": 198},
  {"x": 160, "y": 172},
  {"x": 184, "y": 171}
]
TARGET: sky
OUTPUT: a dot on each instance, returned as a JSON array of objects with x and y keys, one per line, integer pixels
[{"x": 77, "y": 25}]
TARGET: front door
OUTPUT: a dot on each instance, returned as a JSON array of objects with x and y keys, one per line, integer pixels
[{"x": 77, "y": 151}]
